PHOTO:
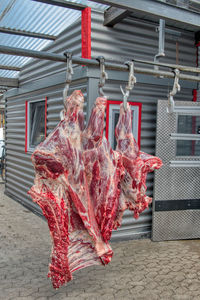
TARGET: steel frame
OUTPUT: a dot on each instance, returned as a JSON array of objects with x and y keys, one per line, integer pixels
[
  {"x": 114, "y": 15},
  {"x": 109, "y": 65},
  {"x": 9, "y": 82},
  {"x": 154, "y": 10},
  {"x": 63, "y": 3},
  {"x": 12, "y": 68},
  {"x": 27, "y": 33}
]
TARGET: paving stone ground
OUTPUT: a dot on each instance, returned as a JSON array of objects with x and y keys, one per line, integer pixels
[{"x": 140, "y": 269}]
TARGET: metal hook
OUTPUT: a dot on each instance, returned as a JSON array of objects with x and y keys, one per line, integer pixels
[
  {"x": 103, "y": 75},
  {"x": 131, "y": 81},
  {"x": 176, "y": 88},
  {"x": 69, "y": 73}
]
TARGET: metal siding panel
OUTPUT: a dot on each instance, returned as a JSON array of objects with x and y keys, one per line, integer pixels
[
  {"x": 14, "y": 163},
  {"x": 18, "y": 164},
  {"x": 17, "y": 190},
  {"x": 69, "y": 40},
  {"x": 138, "y": 39}
]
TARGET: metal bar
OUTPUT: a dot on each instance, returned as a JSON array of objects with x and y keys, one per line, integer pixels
[
  {"x": 155, "y": 10},
  {"x": 161, "y": 51},
  {"x": 174, "y": 205},
  {"x": 161, "y": 43},
  {"x": 92, "y": 62},
  {"x": 12, "y": 68},
  {"x": 114, "y": 15},
  {"x": 172, "y": 66},
  {"x": 27, "y": 33},
  {"x": 9, "y": 82},
  {"x": 63, "y": 3},
  {"x": 7, "y": 9},
  {"x": 184, "y": 164},
  {"x": 185, "y": 110},
  {"x": 185, "y": 136}
]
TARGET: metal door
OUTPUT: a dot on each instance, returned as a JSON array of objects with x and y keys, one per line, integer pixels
[{"x": 176, "y": 206}]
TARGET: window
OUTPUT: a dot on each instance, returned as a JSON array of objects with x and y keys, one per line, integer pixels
[
  {"x": 187, "y": 135},
  {"x": 188, "y": 124},
  {"x": 36, "y": 123},
  {"x": 188, "y": 148},
  {"x": 112, "y": 116},
  {"x": 189, "y": 127}
]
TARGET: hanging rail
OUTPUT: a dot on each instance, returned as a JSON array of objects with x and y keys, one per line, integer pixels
[
  {"x": 109, "y": 65},
  {"x": 171, "y": 66},
  {"x": 12, "y": 68}
]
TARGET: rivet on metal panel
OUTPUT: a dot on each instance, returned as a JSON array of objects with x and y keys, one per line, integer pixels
[
  {"x": 176, "y": 88},
  {"x": 103, "y": 75},
  {"x": 131, "y": 81}
]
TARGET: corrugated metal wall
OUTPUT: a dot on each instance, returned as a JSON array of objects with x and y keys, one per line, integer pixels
[
  {"x": 137, "y": 39},
  {"x": 68, "y": 40},
  {"x": 19, "y": 169}
]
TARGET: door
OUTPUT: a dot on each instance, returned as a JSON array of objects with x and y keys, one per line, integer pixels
[{"x": 176, "y": 206}]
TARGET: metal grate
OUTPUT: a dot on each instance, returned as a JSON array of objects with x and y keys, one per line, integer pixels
[{"x": 174, "y": 183}]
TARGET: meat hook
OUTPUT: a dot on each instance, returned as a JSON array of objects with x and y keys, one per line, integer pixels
[
  {"x": 68, "y": 76},
  {"x": 131, "y": 81},
  {"x": 103, "y": 75},
  {"x": 176, "y": 88}
]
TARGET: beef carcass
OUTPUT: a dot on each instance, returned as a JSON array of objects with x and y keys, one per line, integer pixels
[
  {"x": 61, "y": 190},
  {"x": 137, "y": 164},
  {"x": 104, "y": 170},
  {"x": 83, "y": 186}
]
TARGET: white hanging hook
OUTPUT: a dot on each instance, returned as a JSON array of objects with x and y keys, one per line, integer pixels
[
  {"x": 131, "y": 82},
  {"x": 176, "y": 88},
  {"x": 69, "y": 73},
  {"x": 103, "y": 75}
]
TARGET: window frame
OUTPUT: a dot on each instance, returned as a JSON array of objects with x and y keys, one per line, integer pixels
[
  {"x": 139, "y": 108},
  {"x": 185, "y": 136},
  {"x": 28, "y": 103}
]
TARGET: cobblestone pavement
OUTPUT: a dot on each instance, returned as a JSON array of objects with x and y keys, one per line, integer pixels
[{"x": 139, "y": 269}]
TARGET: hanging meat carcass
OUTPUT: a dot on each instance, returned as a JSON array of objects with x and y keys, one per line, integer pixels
[
  {"x": 137, "y": 165},
  {"x": 61, "y": 190},
  {"x": 104, "y": 170},
  {"x": 83, "y": 186}
]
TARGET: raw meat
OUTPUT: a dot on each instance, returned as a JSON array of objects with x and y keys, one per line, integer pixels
[
  {"x": 83, "y": 186},
  {"x": 103, "y": 170},
  {"x": 61, "y": 190},
  {"x": 137, "y": 165}
]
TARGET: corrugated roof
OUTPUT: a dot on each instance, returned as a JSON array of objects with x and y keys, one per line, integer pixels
[{"x": 36, "y": 17}]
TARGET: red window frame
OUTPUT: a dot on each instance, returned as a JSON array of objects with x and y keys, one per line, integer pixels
[
  {"x": 109, "y": 102},
  {"x": 26, "y": 123}
]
